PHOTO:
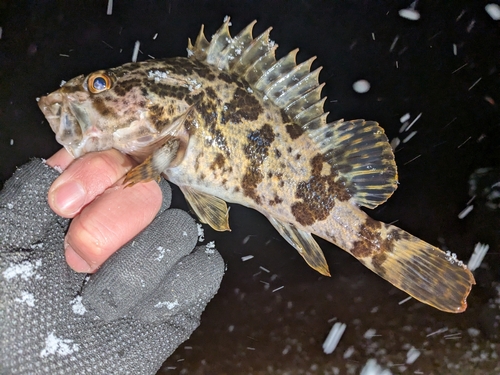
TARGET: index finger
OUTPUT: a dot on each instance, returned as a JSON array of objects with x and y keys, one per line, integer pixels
[{"x": 84, "y": 179}]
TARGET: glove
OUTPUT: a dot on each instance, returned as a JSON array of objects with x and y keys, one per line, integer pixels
[{"x": 125, "y": 319}]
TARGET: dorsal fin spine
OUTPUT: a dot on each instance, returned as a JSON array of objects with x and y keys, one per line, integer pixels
[
  {"x": 254, "y": 60},
  {"x": 290, "y": 78},
  {"x": 263, "y": 63},
  {"x": 238, "y": 45},
  {"x": 200, "y": 45},
  {"x": 310, "y": 113},
  {"x": 305, "y": 101},
  {"x": 299, "y": 88},
  {"x": 281, "y": 66},
  {"x": 285, "y": 87},
  {"x": 316, "y": 123},
  {"x": 252, "y": 53},
  {"x": 220, "y": 40}
]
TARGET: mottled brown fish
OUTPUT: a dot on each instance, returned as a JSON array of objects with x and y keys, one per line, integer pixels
[{"x": 231, "y": 124}]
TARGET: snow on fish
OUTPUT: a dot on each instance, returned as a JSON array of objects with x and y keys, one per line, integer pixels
[{"x": 229, "y": 123}]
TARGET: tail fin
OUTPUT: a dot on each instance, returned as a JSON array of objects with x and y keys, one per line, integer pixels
[{"x": 423, "y": 271}]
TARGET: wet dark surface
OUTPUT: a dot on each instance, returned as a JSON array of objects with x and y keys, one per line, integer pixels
[{"x": 253, "y": 325}]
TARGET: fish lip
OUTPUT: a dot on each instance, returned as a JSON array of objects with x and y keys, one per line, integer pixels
[
  {"x": 59, "y": 112},
  {"x": 50, "y": 106},
  {"x": 70, "y": 119}
]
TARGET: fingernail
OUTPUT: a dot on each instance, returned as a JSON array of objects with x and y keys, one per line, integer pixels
[
  {"x": 75, "y": 261},
  {"x": 69, "y": 198}
]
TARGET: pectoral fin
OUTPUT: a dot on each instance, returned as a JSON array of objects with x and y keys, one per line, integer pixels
[
  {"x": 209, "y": 209},
  {"x": 304, "y": 243},
  {"x": 155, "y": 164}
]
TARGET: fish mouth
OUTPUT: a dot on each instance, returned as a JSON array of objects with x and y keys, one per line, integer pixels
[{"x": 69, "y": 121}]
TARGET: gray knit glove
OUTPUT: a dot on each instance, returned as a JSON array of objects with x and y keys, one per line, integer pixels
[{"x": 125, "y": 319}]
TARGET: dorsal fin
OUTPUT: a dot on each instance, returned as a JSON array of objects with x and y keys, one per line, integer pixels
[
  {"x": 358, "y": 150},
  {"x": 292, "y": 87}
]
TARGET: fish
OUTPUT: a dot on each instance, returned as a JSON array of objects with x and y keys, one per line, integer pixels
[{"x": 230, "y": 123}]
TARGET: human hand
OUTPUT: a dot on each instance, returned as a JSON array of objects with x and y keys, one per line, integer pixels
[
  {"x": 105, "y": 214},
  {"x": 127, "y": 318}
]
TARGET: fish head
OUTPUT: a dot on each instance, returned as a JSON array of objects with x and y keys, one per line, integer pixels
[{"x": 114, "y": 108}]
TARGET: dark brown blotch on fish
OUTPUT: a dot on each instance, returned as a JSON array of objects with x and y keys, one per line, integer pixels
[
  {"x": 189, "y": 123},
  {"x": 219, "y": 141},
  {"x": 210, "y": 76},
  {"x": 225, "y": 77},
  {"x": 218, "y": 162},
  {"x": 207, "y": 110},
  {"x": 285, "y": 118},
  {"x": 257, "y": 148},
  {"x": 373, "y": 245},
  {"x": 318, "y": 193},
  {"x": 202, "y": 70},
  {"x": 195, "y": 98},
  {"x": 158, "y": 117},
  {"x": 156, "y": 110},
  {"x": 122, "y": 88},
  {"x": 251, "y": 179},
  {"x": 180, "y": 67},
  {"x": 211, "y": 93},
  {"x": 100, "y": 106},
  {"x": 243, "y": 106},
  {"x": 256, "y": 151},
  {"x": 169, "y": 91},
  {"x": 66, "y": 89},
  {"x": 397, "y": 234},
  {"x": 187, "y": 67},
  {"x": 294, "y": 130},
  {"x": 125, "y": 69},
  {"x": 369, "y": 232},
  {"x": 275, "y": 201}
]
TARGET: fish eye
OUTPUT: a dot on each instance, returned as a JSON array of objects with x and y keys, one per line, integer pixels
[{"x": 99, "y": 82}]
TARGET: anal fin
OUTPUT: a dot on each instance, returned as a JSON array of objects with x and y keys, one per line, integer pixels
[
  {"x": 209, "y": 209},
  {"x": 155, "y": 164},
  {"x": 304, "y": 243}
]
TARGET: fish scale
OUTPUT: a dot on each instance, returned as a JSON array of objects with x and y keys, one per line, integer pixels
[{"x": 230, "y": 123}]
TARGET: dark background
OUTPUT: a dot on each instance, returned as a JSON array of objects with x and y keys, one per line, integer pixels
[{"x": 248, "y": 328}]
